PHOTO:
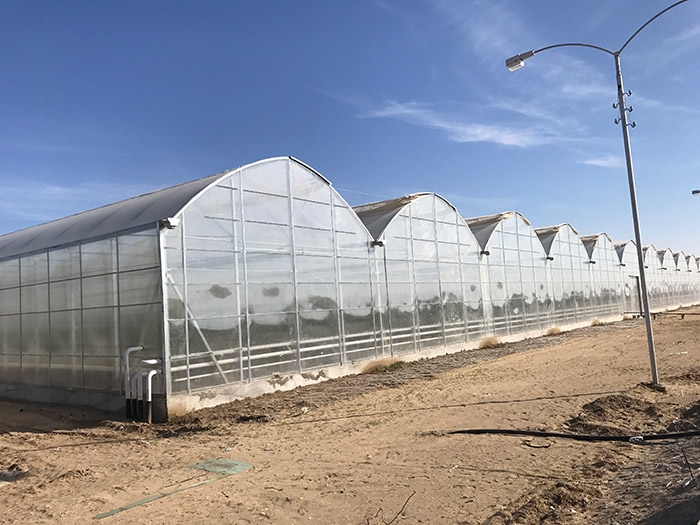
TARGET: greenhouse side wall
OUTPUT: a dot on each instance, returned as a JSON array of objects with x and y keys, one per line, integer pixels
[{"x": 67, "y": 313}]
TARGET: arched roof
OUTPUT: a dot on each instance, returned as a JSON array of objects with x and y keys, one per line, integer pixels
[
  {"x": 128, "y": 214},
  {"x": 590, "y": 241},
  {"x": 483, "y": 227},
  {"x": 376, "y": 216},
  {"x": 620, "y": 247},
  {"x": 668, "y": 261},
  {"x": 681, "y": 260},
  {"x": 651, "y": 257},
  {"x": 627, "y": 255},
  {"x": 549, "y": 233}
]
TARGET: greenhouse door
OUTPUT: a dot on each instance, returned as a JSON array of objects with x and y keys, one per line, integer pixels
[{"x": 633, "y": 303}]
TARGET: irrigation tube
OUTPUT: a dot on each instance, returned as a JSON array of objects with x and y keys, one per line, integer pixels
[
  {"x": 636, "y": 439},
  {"x": 128, "y": 391}
]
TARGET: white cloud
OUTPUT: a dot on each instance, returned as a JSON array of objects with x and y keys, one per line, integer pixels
[
  {"x": 546, "y": 97},
  {"x": 588, "y": 90},
  {"x": 489, "y": 29},
  {"x": 606, "y": 161},
  {"x": 650, "y": 103},
  {"x": 536, "y": 111},
  {"x": 461, "y": 131},
  {"x": 688, "y": 34}
]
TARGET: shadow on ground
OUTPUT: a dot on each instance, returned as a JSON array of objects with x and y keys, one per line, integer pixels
[
  {"x": 44, "y": 417},
  {"x": 684, "y": 513}
]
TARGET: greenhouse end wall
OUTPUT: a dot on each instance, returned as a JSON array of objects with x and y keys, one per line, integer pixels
[{"x": 274, "y": 269}]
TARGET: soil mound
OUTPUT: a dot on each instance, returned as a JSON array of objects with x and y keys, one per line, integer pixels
[
  {"x": 552, "y": 505},
  {"x": 617, "y": 415},
  {"x": 688, "y": 420}
]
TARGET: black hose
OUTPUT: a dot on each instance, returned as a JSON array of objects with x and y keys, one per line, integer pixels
[{"x": 577, "y": 437}]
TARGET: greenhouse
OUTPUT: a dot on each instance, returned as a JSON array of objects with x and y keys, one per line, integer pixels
[
  {"x": 603, "y": 275},
  {"x": 263, "y": 277},
  {"x": 517, "y": 298},
  {"x": 629, "y": 280},
  {"x": 428, "y": 272},
  {"x": 567, "y": 265}
]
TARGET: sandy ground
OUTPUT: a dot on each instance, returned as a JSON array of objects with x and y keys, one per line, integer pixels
[{"x": 376, "y": 448}]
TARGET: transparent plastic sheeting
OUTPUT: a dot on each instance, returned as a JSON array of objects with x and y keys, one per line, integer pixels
[
  {"x": 266, "y": 270},
  {"x": 65, "y": 313}
]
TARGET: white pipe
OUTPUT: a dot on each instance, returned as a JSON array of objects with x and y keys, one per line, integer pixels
[
  {"x": 149, "y": 384},
  {"x": 127, "y": 353},
  {"x": 140, "y": 373},
  {"x": 139, "y": 385},
  {"x": 127, "y": 377},
  {"x": 149, "y": 394}
]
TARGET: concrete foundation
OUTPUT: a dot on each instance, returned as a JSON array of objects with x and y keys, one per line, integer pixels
[{"x": 183, "y": 403}]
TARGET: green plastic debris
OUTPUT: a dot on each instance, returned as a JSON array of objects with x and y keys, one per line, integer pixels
[
  {"x": 226, "y": 467},
  {"x": 222, "y": 466}
]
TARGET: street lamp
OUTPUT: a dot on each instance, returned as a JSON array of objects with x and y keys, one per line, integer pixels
[
  {"x": 696, "y": 192},
  {"x": 516, "y": 62}
]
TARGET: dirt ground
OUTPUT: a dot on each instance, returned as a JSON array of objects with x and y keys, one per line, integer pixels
[{"x": 376, "y": 448}]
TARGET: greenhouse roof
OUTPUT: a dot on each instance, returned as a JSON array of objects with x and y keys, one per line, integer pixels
[
  {"x": 130, "y": 214},
  {"x": 549, "y": 233},
  {"x": 483, "y": 227},
  {"x": 119, "y": 216},
  {"x": 590, "y": 241},
  {"x": 376, "y": 216},
  {"x": 620, "y": 247}
]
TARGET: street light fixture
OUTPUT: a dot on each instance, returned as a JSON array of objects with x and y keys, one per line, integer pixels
[
  {"x": 516, "y": 62},
  {"x": 696, "y": 192}
]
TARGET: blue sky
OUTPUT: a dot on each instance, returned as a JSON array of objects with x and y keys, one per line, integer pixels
[{"x": 106, "y": 100}]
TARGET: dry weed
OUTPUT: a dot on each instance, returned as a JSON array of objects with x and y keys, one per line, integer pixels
[
  {"x": 383, "y": 365},
  {"x": 489, "y": 342}
]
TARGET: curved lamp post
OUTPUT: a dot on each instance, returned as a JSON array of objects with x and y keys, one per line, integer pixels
[{"x": 518, "y": 61}]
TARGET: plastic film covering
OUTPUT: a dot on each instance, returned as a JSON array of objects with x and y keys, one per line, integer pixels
[
  {"x": 689, "y": 279},
  {"x": 67, "y": 312},
  {"x": 428, "y": 272},
  {"x": 654, "y": 276},
  {"x": 268, "y": 272},
  {"x": 668, "y": 281},
  {"x": 130, "y": 214},
  {"x": 682, "y": 290},
  {"x": 629, "y": 277},
  {"x": 567, "y": 273},
  {"x": 603, "y": 276},
  {"x": 513, "y": 269}
]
